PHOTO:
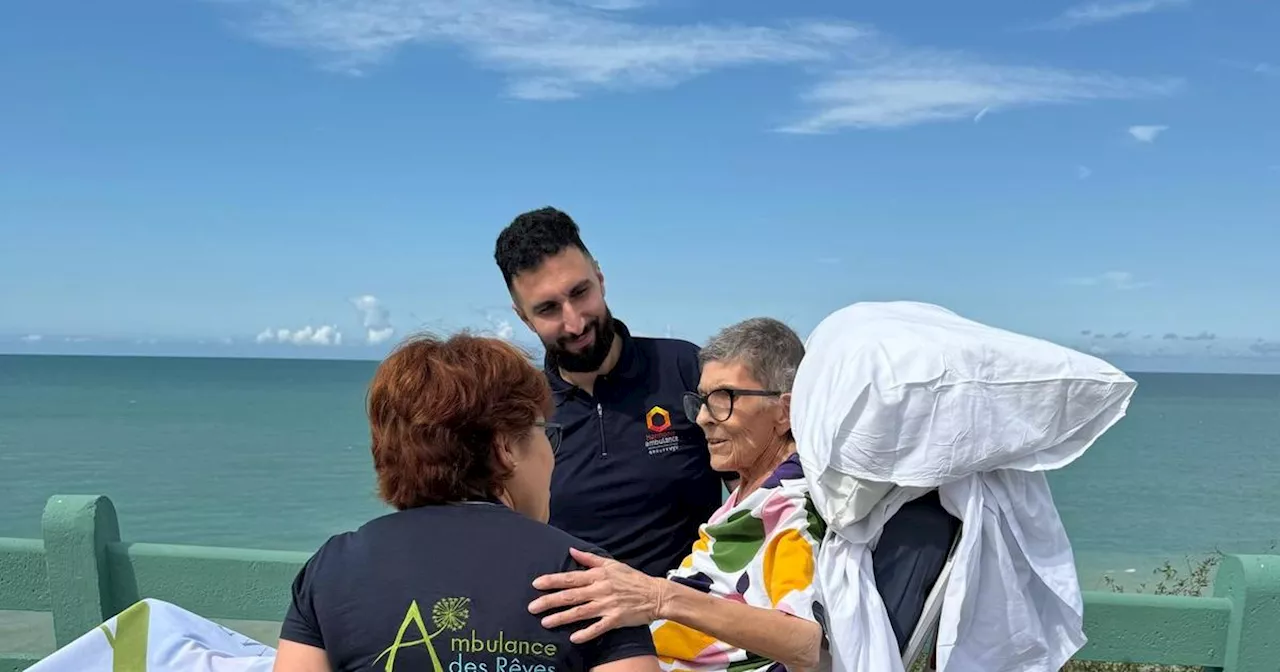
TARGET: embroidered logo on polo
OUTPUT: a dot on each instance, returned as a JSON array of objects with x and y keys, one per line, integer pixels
[
  {"x": 462, "y": 651},
  {"x": 660, "y": 438}
]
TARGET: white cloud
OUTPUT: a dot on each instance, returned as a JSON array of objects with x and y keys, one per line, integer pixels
[
  {"x": 918, "y": 86},
  {"x": 32, "y": 338},
  {"x": 498, "y": 327},
  {"x": 376, "y": 336},
  {"x": 323, "y": 335},
  {"x": 611, "y": 5},
  {"x": 1147, "y": 133},
  {"x": 1114, "y": 279},
  {"x": 1201, "y": 344},
  {"x": 1103, "y": 12},
  {"x": 1256, "y": 67},
  {"x": 561, "y": 49},
  {"x": 376, "y": 319},
  {"x": 1265, "y": 347},
  {"x": 550, "y": 50}
]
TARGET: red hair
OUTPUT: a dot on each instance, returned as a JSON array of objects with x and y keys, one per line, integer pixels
[{"x": 438, "y": 409}]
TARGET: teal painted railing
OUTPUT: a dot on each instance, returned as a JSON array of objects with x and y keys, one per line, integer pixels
[{"x": 84, "y": 574}]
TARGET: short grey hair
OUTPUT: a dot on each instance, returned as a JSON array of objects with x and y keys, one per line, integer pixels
[{"x": 770, "y": 350}]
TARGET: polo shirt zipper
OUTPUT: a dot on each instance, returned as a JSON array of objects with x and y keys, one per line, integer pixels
[{"x": 604, "y": 449}]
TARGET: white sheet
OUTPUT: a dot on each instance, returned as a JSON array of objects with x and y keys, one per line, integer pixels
[
  {"x": 156, "y": 636},
  {"x": 913, "y": 395}
]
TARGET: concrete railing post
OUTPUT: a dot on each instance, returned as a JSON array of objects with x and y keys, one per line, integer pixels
[
  {"x": 77, "y": 529},
  {"x": 1252, "y": 582}
]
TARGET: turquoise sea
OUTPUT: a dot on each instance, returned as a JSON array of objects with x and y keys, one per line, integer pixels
[{"x": 273, "y": 454}]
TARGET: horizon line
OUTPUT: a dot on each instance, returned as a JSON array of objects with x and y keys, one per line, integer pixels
[{"x": 536, "y": 361}]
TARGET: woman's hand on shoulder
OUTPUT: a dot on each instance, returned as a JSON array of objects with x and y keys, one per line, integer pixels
[{"x": 607, "y": 589}]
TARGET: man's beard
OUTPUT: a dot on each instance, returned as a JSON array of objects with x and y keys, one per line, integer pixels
[{"x": 593, "y": 357}]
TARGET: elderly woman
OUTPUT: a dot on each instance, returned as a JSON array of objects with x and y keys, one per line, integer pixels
[
  {"x": 744, "y": 598},
  {"x": 462, "y": 452}
]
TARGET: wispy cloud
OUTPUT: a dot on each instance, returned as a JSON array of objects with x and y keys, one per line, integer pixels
[
  {"x": 914, "y": 86},
  {"x": 322, "y": 335},
  {"x": 498, "y": 326},
  {"x": 549, "y": 50},
  {"x": 504, "y": 330},
  {"x": 611, "y": 5},
  {"x": 32, "y": 338},
  {"x": 1122, "y": 280},
  {"x": 1268, "y": 69},
  {"x": 1104, "y": 12},
  {"x": 1256, "y": 67},
  {"x": 376, "y": 319},
  {"x": 1147, "y": 133},
  {"x": 563, "y": 49},
  {"x": 1203, "y": 343},
  {"x": 1265, "y": 347}
]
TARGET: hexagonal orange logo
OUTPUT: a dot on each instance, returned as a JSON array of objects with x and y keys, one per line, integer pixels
[{"x": 658, "y": 420}]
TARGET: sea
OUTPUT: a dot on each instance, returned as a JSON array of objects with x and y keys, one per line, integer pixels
[{"x": 273, "y": 454}]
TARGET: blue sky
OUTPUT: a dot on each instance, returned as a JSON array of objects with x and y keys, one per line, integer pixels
[{"x": 212, "y": 177}]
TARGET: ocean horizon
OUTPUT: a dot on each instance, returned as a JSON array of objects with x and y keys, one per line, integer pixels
[{"x": 272, "y": 453}]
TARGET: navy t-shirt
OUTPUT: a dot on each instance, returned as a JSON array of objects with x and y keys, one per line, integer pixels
[
  {"x": 444, "y": 588},
  {"x": 632, "y": 474}
]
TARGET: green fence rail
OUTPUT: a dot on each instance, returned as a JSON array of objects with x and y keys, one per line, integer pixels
[{"x": 83, "y": 574}]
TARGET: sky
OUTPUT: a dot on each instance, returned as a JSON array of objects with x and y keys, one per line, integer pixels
[{"x": 319, "y": 178}]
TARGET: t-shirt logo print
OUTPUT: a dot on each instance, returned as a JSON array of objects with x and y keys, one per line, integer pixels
[
  {"x": 468, "y": 651},
  {"x": 450, "y": 613},
  {"x": 660, "y": 439},
  {"x": 658, "y": 420}
]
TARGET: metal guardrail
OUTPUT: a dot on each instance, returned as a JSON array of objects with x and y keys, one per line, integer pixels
[{"x": 83, "y": 574}]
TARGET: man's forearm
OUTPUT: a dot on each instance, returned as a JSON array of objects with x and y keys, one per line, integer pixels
[{"x": 778, "y": 636}]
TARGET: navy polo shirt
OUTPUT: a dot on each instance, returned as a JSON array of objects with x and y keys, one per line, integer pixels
[{"x": 633, "y": 475}]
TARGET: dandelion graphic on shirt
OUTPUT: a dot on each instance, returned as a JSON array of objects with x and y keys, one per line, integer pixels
[
  {"x": 449, "y": 614},
  {"x": 467, "y": 651}
]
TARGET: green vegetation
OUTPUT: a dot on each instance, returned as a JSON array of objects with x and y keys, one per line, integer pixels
[
  {"x": 1193, "y": 582},
  {"x": 1169, "y": 580}
]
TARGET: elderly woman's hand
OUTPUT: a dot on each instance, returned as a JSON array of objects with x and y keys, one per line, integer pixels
[{"x": 609, "y": 590}]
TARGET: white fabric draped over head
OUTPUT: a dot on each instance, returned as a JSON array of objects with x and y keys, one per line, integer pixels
[{"x": 894, "y": 399}]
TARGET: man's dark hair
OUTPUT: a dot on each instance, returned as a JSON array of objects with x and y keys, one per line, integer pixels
[{"x": 532, "y": 237}]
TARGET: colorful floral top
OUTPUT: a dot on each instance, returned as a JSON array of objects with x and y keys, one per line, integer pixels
[{"x": 760, "y": 551}]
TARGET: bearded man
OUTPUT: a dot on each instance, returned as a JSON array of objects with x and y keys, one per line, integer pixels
[{"x": 632, "y": 473}]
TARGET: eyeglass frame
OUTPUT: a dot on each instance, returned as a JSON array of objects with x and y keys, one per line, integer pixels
[
  {"x": 552, "y": 429},
  {"x": 733, "y": 393}
]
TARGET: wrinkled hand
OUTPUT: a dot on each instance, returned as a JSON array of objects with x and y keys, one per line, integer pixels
[{"x": 609, "y": 590}]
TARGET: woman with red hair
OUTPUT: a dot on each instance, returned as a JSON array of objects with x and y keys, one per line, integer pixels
[{"x": 463, "y": 452}]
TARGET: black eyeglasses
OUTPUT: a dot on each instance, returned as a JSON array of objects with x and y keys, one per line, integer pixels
[
  {"x": 719, "y": 402},
  {"x": 554, "y": 431}
]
